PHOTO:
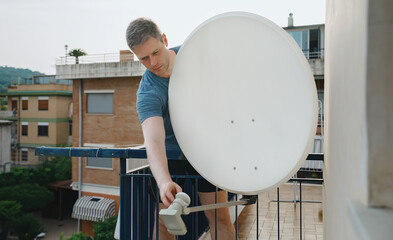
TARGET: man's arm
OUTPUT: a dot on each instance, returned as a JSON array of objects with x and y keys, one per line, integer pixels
[{"x": 154, "y": 134}]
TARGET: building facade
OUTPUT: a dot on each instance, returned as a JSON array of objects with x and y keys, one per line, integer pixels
[
  {"x": 104, "y": 115},
  {"x": 40, "y": 110},
  {"x": 311, "y": 40}
]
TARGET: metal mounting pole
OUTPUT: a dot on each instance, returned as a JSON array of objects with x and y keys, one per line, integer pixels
[{"x": 172, "y": 215}]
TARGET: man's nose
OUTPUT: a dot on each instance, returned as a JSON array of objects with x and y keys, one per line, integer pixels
[{"x": 153, "y": 61}]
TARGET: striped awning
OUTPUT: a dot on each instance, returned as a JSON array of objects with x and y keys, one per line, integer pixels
[{"x": 93, "y": 208}]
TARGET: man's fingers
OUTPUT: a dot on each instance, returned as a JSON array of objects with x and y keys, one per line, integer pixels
[
  {"x": 165, "y": 202},
  {"x": 170, "y": 196},
  {"x": 167, "y": 198},
  {"x": 178, "y": 189},
  {"x": 168, "y": 193}
]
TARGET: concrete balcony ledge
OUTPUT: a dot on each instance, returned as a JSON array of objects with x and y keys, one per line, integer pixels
[
  {"x": 100, "y": 70},
  {"x": 7, "y": 114},
  {"x": 317, "y": 66},
  {"x": 370, "y": 223}
]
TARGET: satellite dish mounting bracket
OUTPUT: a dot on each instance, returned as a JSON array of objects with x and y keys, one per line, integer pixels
[{"x": 172, "y": 215}]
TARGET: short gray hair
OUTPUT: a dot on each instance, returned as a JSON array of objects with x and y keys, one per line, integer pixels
[{"x": 140, "y": 29}]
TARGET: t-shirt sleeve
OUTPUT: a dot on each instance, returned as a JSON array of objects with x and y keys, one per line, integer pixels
[{"x": 148, "y": 104}]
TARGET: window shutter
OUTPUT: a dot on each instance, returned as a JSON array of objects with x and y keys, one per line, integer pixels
[{"x": 42, "y": 104}]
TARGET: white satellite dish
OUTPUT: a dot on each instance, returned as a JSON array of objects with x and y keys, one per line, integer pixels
[{"x": 243, "y": 103}]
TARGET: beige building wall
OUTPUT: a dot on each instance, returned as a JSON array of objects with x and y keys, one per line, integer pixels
[
  {"x": 32, "y": 158},
  {"x": 57, "y": 134},
  {"x": 358, "y": 172},
  {"x": 62, "y": 132},
  {"x": 57, "y": 116},
  {"x": 58, "y": 107}
]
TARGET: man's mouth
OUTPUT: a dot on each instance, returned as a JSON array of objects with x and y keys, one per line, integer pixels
[{"x": 157, "y": 68}]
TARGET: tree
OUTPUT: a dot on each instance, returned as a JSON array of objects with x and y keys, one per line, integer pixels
[
  {"x": 51, "y": 170},
  {"x": 31, "y": 196},
  {"x": 105, "y": 230},
  {"x": 9, "y": 210},
  {"x": 76, "y": 236},
  {"x": 27, "y": 227},
  {"x": 77, "y": 52}
]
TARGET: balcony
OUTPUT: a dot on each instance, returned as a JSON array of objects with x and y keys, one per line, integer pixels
[
  {"x": 99, "y": 66},
  {"x": 40, "y": 80},
  {"x": 316, "y": 60},
  {"x": 9, "y": 115},
  {"x": 313, "y": 54},
  {"x": 270, "y": 217}
]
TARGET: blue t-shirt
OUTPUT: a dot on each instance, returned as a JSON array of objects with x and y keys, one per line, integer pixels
[{"x": 152, "y": 101}]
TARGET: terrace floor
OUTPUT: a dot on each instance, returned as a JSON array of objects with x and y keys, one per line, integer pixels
[
  {"x": 312, "y": 225},
  {"x": 247, "y": 224}
]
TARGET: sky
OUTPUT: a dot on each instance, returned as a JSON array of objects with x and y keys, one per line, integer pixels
[{"x": 33, "y": 33}]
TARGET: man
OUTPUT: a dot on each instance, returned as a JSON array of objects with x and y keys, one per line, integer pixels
[{"x": 150, "y": 46}]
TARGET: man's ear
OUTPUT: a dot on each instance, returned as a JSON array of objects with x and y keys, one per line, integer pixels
[{"x": 165, "y": 40}]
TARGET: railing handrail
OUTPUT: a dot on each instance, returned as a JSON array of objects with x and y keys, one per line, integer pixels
[
  {"x": 119, "y": 153},
  {"x": 314, "y": 54},
  {"x": 95, "y": 58}
]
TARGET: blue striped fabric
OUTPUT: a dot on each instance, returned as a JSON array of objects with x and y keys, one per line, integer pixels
[{"x": 86, "y": 209}]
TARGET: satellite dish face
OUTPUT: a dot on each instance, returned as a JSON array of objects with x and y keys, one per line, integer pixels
[{"x": 243, "y": 103}]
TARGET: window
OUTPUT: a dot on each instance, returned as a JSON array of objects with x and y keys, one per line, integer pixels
[
  {"x": 43, "y": 129},
  {"x": 70, "y": 127},
  {"x": 14, "y": 104},
  {"x": 315, "y": 36},
  {"x": 99, "y": 162},
  {"x": 103, "y": 163},
  {"x": 25, "y": 128},
  {"x": 24, "y": 153},
  {"x": 25, "y": 103},
  {"x": 100, "y": 101},
  {"x": 301, "y": 38},
  {"x": 43, "y": 103}
]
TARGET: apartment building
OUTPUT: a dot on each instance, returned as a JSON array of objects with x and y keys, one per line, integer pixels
[
  {"x": 104, "y": 116},
  {"x": 39, "y": 108},
  {"x": 311, "y": 40}
]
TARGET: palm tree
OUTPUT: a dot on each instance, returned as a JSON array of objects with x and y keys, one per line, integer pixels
[{"x": 77, "y": 52}]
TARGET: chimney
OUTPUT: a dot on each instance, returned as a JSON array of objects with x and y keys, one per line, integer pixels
[{"x": 290, "y": 20}]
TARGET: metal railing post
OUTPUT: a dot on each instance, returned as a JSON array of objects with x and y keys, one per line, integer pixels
[
  {"x": 300, "y": 190},
  {"x": 157, "y": 213},
  {"x": 257, "y": 206},
  {"x": 215, "y": 215},
  {"x": 278, "y": 213},
  {"x": 125, "y": 232}
]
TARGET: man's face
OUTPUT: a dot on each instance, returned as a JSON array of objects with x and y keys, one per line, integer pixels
[{"x": 154, "y": 55}]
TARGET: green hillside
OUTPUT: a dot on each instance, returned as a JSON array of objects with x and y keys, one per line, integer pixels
[{"x": 10, "y": 75}]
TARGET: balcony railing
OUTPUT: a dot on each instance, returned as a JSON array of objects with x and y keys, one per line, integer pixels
[
  {"x": 95, "y": 58},
  {"x": 138, "y": 204},
  {"x": 314, "y": 54},
  {"x": 8, "y": 114}
]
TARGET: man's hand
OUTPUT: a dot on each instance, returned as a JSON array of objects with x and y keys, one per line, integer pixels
[{"x": 168, "y": 191}]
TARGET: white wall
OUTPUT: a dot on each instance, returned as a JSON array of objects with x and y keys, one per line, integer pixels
[
  {"x": 358, "y": 100},
  {"x": 379, "y": 94},
  {"x": 5, "y": 144}
]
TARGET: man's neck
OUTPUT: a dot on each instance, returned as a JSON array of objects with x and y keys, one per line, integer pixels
[{"x": 172, "y": 56}]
